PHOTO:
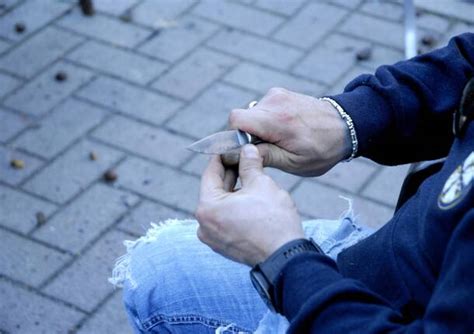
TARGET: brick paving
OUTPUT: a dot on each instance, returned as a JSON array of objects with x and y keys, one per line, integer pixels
[{"x": 144, "y": 79}]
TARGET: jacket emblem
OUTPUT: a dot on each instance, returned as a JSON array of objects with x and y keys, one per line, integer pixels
[{"x": 458, "y": 184}]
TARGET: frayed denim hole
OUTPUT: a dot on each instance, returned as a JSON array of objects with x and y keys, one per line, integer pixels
[{"x": 121, "y": 272}]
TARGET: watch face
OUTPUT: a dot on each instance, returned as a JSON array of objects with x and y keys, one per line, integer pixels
[{"x": 262, "y": 286}]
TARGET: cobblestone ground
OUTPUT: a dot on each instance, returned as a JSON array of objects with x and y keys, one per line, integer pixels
[{"x": 143, "y": 80}]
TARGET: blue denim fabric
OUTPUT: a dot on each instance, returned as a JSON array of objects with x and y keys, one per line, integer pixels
[{"x": 175, "y": 284}]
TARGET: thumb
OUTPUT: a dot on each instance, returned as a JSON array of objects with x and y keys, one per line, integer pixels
[
  {"x": 273, "y": 156},
  {"x": 250, "y": 165}
]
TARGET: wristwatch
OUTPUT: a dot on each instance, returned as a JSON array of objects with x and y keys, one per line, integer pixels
[{"x": 265, "y": 274}]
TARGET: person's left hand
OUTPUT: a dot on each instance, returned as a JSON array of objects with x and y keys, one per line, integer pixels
[{"x": 247, "y": 225}]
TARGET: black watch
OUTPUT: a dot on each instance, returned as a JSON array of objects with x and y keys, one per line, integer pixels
[{"x": 265, "y": 274}]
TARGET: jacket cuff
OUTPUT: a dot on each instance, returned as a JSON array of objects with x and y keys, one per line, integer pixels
[
  {"x": 369, "y": 112},
  {"x": 303, "y": 277}
]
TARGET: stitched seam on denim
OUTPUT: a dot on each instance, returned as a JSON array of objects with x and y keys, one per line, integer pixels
[{"x": 156, "y": 319}]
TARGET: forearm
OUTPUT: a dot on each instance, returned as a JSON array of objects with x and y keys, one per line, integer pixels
[{"x": 403, "y": 113}]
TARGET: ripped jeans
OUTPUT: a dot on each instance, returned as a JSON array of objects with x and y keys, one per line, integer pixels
[{"x": 175, "y": 284}]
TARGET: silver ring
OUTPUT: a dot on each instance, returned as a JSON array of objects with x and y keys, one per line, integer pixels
[{"x": 252, "y": 104}]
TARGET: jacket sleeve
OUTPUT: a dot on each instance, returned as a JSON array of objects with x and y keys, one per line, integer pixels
[
  {"x": 404, "y": 112},
  {"x": 317, "y": 299}
]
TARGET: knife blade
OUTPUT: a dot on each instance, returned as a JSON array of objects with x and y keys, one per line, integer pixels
[{"x": 223, "y": 142}]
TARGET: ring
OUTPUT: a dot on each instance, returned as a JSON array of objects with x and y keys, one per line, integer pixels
[{"x": 252, "y": 104}]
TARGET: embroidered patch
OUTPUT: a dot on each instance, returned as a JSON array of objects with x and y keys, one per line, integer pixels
[{"x": 458, "y": 184}]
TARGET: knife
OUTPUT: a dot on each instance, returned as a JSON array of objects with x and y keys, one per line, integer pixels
[{"x": 224, "y": 142}]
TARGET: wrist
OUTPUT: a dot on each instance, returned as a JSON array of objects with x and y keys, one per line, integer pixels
[
  {"x": 264, "y": 275},
  {"x": 349, "y": 143}
]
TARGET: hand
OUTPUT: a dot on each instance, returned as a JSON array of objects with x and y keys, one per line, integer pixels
[
  {"x": 306, "y": 136},
  {"x": 247, "y": 225}
]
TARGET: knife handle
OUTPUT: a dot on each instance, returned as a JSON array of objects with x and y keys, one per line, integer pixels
[{"x": 251, "y": 139}]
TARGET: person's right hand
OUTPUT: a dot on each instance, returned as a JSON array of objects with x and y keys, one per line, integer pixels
[{"x": 304, "y": 135}]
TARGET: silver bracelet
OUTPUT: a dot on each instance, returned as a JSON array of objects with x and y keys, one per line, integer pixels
[{"x": 350, "y": 124}]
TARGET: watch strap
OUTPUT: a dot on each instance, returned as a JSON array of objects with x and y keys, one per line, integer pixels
[
  {"x": 264, "y": 275},
  {"x": 273, "y": 266}
]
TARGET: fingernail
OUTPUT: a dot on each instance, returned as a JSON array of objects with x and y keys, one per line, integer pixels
[{"x": 250, "y": 151}]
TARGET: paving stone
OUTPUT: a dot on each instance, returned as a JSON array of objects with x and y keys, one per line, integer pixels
[
  {"x": 7, "y": 84},
  {"x": 459, "y": 9},
  {"x": 382, "y": 56},
  {"x": 456, "y": 29},
  {"x": 18, "y": 210},
  {"x": 346, "y": 3},
  {"x": 38, "y": 51},
  {"x": 86, "y": 218},
  {"x": 331, "y": 59},
  {"x": 386, "y": 185},
  {"x": 34, "y": 14},
  {"x": 144, "y": 140},
  {"x": 375, "y": 29},
  {"x": 130, "y": 100},
  {"x": 203, "y": 66},
  {"x": 285, "y": 180},
  {"x": 138, "y": 221},
  {"x": 260, "y": 79},
  {"x": 348, "y": 176},
  {"x": 322, "y": 201},
  {"x": 238, "y": 16},
  {"x": 13, "y": 176},
  {"x": 114, "y": 7},
  {"x": 44, "y": 92},
  {"x": 316, "y": 18},
  {"x": 197, "y": 164},
  {"x": 160, "y": 183},
  {"x": 28, "y": 261},
  {"x": 387, "y": 9},
  {"x": 11, "y": 124},
  {"x": 72, "y": 172},
  {"x": 210, "y": 112},
  {"x": 117, "y": 62},
  {"x": 85, "y": 282},
  {"x": 110, "y": 318},
  {"x": 175, "y": 42},
  {"x": 8, "y": 5},
  {"x": 432, "y": 22},
  {"x": 64, "y": 125},
  {"x": 283, "y": 7},
  {"x": 24, "y": 311},
  {"x": 343, "y": 81},
  {"x": 255, "y": 49},
  {"x": 4, "y": 46},
  {"x": 105, "y": 28},
  {"x": 160, "y": 13}
]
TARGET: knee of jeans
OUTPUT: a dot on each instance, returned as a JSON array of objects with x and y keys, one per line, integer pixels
[
  {"x": 142, "y": 269},
  {"x": 170, "y": 273},
  {"x": 153, "y": 245}
]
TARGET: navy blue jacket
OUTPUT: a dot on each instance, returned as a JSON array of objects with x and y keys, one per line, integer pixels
[{"x": 416, "y": 274}]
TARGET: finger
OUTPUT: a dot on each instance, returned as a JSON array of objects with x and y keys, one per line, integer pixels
[
  {"x": 212, "y": 180},
  {"x": 250, "y": 165},
  {"x": 231, "y": 159},
  {"x": 277, "y": 97},
  {"x": 273, "y": 156},
  {"x": 258, "y": 122},
  {"x": 230, "y": 178}
]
